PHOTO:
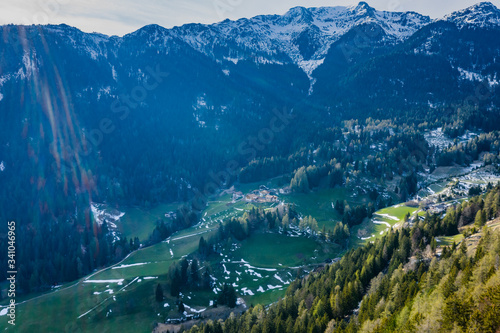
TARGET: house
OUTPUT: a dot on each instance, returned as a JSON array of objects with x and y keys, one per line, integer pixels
[
  {"x": 271, "y": 198},
  {"x": 251, "y": 197},
  {"x": 237, "y": 196}
]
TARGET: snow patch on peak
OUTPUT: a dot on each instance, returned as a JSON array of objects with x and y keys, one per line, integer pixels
[
  {"x": 302, "y": 36},
  {"x": 362, "y": 9},
  {"x": 308, "y": 66},
  {"x": 484, "y": 15},
  {"x": 297, "y": 15}
]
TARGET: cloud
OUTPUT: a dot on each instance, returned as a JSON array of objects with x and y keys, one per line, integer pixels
[{"x": 124, "y": 16}]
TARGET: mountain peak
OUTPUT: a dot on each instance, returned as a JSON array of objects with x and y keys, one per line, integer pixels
[
  {"x": 363, "y": 5},
  {"x": 483, "y": 14},
  {"x": 364, "y": 9},
  {"x": 486, "y": 5},
  {"x": 149, "y": 30},
  {"x": 153, "y": 27},
  {"x": 298, "y": 15}
]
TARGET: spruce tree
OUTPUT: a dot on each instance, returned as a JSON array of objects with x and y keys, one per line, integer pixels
[{"x": 159, "y": 293}]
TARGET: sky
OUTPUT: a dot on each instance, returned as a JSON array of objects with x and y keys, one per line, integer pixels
[{"x": 119, "y": 17}]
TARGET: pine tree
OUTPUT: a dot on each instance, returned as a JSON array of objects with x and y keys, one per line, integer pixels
[
  {"x": 195, "y": 275},
  {"x": 181, "y": 307},
  {"x": 480, "y": 219},
  {"x": 159, "y": 293},
  {"x": 175, "y": 283}
]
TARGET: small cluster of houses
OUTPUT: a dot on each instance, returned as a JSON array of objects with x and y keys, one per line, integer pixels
[{"x": 262, "y": 195}]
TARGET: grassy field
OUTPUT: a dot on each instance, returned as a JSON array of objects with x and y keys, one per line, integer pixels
[
  {"x": 59, "y": 311},
  {"x": 262, "y": 266},
  {"x": 318, "y": 204},
  {"x": 397, "y": 211},
  {"x": 439, "y": 186},
  {"x": 120, "y": 298},
  {"x": 448, "y": 240},
  {"x": 140, "y": 222},
  {"x": 271, "y": 250},
  {"x": 379, "y": 224},
  {"x": 448, "y": 171}
]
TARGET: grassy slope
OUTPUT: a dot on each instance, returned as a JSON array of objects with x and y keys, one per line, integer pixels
[
  {"x": 319, "y": 204},
  {"x": 393, "y": 216},
  {"x": 139, "y": 222}
]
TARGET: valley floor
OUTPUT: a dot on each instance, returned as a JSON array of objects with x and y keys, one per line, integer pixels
[{"x": 121, "y": 297}]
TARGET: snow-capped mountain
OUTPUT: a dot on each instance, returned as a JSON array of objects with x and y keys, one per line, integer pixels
[
  {"x": 301, "y": 36},
  {"x": 292, "y": 53},
  {"x": 484, "y": 15}
]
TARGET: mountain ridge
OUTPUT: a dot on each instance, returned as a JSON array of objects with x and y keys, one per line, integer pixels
[{"x": 302, "y": 36}]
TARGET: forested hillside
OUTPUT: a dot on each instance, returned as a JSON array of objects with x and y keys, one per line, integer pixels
[{"x": 405, "y": 281}]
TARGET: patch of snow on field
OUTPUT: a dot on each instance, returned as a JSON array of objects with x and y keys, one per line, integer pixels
[
  {"x": 247, "y": 265},
  {"x": 131, "y": 265},
  {"x": 382, "y": 222},
  {"x": 247, "y": 291},
  {"x": 469, "y": 76},
  {"x": 150, "y": 277},
  {"x": 277, "y": 277},
  {"x": 240, "y": 301},
  {"x": 104, "y": 281},
  {"x": 4, "y": 311},
  {"x": 390, "y": 217},
  {"x": 260, "y": 290},
  {"x": 252, "y": 272},
  {"x": 271, "y": 287},
  {"x": 102, "y": 213},
  {"x": 193, "y": 310},
  {"x": 438, "y": 139}
]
